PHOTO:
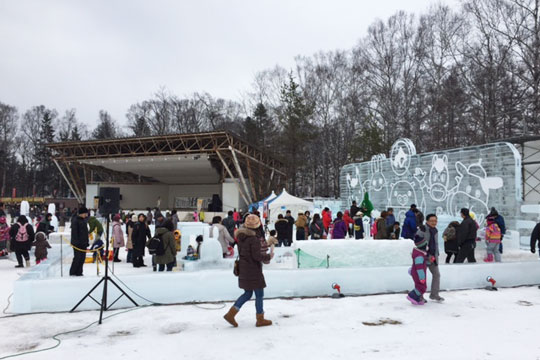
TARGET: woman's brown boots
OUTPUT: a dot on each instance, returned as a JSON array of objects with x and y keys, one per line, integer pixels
[
  {"x": 261, "y": 321},
  {"x": 230, "y": 316}
]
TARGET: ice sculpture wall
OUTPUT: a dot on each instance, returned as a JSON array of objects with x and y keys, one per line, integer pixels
[{"x": 442, "y": 182}]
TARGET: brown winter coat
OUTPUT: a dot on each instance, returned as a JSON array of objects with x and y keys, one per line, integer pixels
[
  {"x": 301, "y": 221},
  {"x": 250, "y": 263},
  {"x": 382, "y": 230},
  {"x": 129, "y": 244},
  {"x": 41, "y": 245}
]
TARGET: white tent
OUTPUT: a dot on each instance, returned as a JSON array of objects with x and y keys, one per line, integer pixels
[
  {"x": 271, "y": 197},
  {"x": 286, "y": 201}
]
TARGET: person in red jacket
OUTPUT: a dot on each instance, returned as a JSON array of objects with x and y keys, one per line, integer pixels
[
  {"x": 326, "y": 218},
  {"x": 349, "y": 222}
]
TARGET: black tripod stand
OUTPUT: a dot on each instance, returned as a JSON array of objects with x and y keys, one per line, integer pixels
[{"x": 105, "y": 280}]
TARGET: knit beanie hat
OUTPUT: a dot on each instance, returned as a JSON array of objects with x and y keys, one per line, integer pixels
[
  {"x": 83, "y": 210},
  {"x": 420, "y": 241},
  {"x": 134, "y": 218},
  {"x": 117, "y": 217},
  {"x": 252, "y": 222}
]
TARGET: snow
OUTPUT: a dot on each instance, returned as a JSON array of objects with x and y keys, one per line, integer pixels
[{"x": 472, "y": 324}]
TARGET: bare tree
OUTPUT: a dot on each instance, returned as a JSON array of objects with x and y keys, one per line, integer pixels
[{"x": 9, "y": 118}]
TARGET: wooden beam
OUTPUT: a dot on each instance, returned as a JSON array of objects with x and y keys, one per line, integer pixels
[
  {"x": 239, "y": 171},
  {"x": 67, "y": 181},
  {"x": 251, "y": 181},
  {"x": 232, "y": 177}
]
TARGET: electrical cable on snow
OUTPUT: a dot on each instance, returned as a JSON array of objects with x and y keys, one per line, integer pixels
[
  {"x": 153, "y": 303},
  {"x": 8, "y": 303},
  {"x": 136, "y": 294},
  {"x": 58, "y": 341},
  {"x": 207, "y": 308},
  {"x": 56, "y": 336}
]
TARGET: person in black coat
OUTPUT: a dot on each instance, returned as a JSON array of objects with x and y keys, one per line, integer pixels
[
  {"x": 22, "y": 237},
  {"x": 354, "y": 209},
  {"x": 282, "y": 229},
  {"x": 141, "y": 232},
  {"x": 79, "y": 239},
  {"x": 535, "y": 237},
  {"x": 290, "y": 227},
  {"x": 466, "y": 237},
  {"x": 45, "y": 225}
]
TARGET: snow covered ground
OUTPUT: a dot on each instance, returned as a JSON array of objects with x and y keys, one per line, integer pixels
[{"x": 472, "y": 324}]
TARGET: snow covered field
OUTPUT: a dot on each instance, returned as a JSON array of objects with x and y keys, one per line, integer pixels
[{"x": 472, "y": 324}]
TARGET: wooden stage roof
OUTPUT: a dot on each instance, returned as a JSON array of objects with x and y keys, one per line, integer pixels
[{"x": 173, "y": 159}]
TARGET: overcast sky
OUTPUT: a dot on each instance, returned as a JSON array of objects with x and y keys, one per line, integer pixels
[{"x": 106, "y": 54}]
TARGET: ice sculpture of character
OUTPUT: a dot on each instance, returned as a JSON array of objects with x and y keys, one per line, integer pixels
[
  {"x": 400, "y": 156},
  {"x": 472, "y": 190},
  {"x": 377, "y": 181},
  {"x": 354, "y": 185},
  {"x": 439, "y": 178},
  {"x": 401, "y": 197}
]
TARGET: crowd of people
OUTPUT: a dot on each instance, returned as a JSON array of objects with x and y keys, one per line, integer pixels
[
  {"x": 255, "y": 244},
  {"x": 459, "y": 242},
  {"x": 20, "y": 236}
]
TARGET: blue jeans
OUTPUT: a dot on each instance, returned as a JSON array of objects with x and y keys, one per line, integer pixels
[{"x": 259, "y": 295}]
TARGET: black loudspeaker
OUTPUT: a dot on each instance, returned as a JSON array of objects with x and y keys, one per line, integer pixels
[
  {"x": 109, "y": 200},
  {"x": 216, "y": 205}
]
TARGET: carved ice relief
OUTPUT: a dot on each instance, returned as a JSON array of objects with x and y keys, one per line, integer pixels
[{"x": 441, "y": 183}]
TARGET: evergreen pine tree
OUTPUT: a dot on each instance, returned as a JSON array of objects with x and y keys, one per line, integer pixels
[
  {"x": 140, "y": 128},
  {"x": 106, "y": 128},
  {"x": 75, "y": 134},
  {"x": 264, "y": 124},
  {"x": 296, "y": 128},
  {"x": 45, "y": 170}
]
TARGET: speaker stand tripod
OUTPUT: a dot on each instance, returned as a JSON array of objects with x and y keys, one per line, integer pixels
[{"x": 105, "y": 280}]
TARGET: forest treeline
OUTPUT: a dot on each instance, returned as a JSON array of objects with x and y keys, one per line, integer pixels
[{"x": 445, "y": 78}]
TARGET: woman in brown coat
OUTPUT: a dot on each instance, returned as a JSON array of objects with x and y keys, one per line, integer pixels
[
  {"x": 382, "y": 231},
  {"x": 251, "y": 277}
]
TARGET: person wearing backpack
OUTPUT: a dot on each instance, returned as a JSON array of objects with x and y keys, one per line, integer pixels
[
  {"x": 499, "y": 220},
  {"x": 450, "y": 241},
  {"x": 4, "y": 236},
  {"x": 22, "y": 237},
  {"x": 493, "y": 240},
  {"x": 166, "y": 257}
]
